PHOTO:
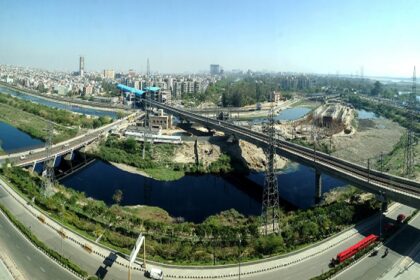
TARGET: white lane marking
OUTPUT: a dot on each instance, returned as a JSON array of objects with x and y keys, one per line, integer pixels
[
  {"x": 42, "y": 269},
  {"x": 29, "y": 258}
]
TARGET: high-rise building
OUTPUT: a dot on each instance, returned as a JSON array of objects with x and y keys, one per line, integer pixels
[
  {"x": 214, "y": 69},
  {"x": 109, "y": 74},
  {"x": 81, "y": 66}
]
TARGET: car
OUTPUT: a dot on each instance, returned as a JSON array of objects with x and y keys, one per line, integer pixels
[
  {"x": 66, "y": 145},
  {"x": 155, "y": 273},
  {"x": 22, "y": 157}
]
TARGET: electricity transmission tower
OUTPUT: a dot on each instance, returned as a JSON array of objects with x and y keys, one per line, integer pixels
[
  {"x": 270, "y": 202},
  {"x": 48, "y": 172},
  {"x": 410, "y": 140}
]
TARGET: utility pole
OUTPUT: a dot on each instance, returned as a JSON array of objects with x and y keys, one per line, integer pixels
[
  {"x": 410, "y": 139},
  {"x": 270, "y": 203},
  {"x": 146, "y": 123}
]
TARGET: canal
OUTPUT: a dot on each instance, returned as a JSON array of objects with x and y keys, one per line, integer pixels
[
  {"x": 58, "y": 105},
  {"x": 14, "y": 140}
]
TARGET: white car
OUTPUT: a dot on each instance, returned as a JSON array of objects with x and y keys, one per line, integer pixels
[
  {"x": 156, "y": 274},
  {"x": 22, "y": 157}
]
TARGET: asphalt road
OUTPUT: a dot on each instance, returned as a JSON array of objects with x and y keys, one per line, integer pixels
[
  {"x": 317, "y": 265},
  {"x": 378, "y": 266},
  {"x": 31, "y": 262},
  {"x": 93, "y": 264},
  {"x": 109, "y": 270}
]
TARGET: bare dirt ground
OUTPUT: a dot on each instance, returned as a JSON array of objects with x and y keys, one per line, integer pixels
[
  {"x": 251, "y": 155},
  {"x": 373, "y": 136}
]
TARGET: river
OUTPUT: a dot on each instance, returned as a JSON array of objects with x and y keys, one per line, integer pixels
[
  {"x": 192, "y": 197},
  {"x": 14, "y": 140},
  {"x": 286, "y": 115},
  {"x": 58, "y": 105}
]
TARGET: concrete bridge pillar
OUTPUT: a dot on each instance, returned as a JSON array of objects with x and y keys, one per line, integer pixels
[
  {"x": 33, "y": 166},
  {"x": 384, "y": 206},
  {"x": 318, "y": 186}
]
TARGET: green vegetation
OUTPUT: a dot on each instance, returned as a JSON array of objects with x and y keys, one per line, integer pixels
[
  {"x": 394, "y": 161},
  {"x": 58, "y": 116},
  {"x": 35, "y": 126},
  {"x": 396, "y": 114},
  {"x": 38, "y": 243},
  {"x": 157, "y": 162},
  {"x": 174, "y": 241}
]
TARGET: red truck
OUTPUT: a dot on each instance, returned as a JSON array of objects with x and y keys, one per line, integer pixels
[{"x": 352, "y": 250}]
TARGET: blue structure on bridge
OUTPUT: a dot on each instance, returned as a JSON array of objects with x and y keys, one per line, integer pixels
[
  {"x": 136, "y": 95},
  {"x": 126, "y": 89}
]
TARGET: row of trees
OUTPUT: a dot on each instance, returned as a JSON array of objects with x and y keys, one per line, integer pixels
[{"x": 214, "y": 240}]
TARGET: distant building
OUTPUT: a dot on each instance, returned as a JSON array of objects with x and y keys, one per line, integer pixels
[
  {"x": 81, "y": 66},
  {"x": 214, "y": 69},
  {"x": 276, "y": 96},
  {"x": 87, "y": 90},
  {"x": 109, "y": 74}
]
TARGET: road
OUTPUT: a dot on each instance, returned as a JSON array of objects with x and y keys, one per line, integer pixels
[
  {"x": 317, "y": 265},
  {"x": 31, "y": 262},
  {"x": 62, "y": 148},
  {"x": 36, "y": 265},
  {"x": 406, "y": 243}
]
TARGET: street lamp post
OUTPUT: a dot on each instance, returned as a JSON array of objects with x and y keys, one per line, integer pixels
[{"x": 239, "y": 267}]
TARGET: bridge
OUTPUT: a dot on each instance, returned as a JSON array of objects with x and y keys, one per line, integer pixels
[
  {"x": 32, "y": 157},
  {"x": 385, "y": 185}
]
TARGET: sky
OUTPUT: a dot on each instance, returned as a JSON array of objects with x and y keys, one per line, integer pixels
[{"x": 311, "y": 36}]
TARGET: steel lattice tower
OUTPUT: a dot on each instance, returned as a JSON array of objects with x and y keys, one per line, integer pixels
[
  {"x": 270, "y": 202},
  {"x": 410, "y": 140},
  {"x": 48, "y": 172}
]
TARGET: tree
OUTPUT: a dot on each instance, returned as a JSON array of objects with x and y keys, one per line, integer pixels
[
  {"x": 118, "y": 196},
  {"x": 377, "y": 89}
]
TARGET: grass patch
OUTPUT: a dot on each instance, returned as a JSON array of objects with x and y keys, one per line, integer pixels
[
  {"x": 164, "y": 174},
  {"x": 35, "y": 126}
]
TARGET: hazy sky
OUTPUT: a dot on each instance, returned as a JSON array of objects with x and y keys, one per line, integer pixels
[{"x": 187, "y": 35}]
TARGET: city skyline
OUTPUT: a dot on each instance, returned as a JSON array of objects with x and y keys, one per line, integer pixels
[{"x": 185, "y": 36}]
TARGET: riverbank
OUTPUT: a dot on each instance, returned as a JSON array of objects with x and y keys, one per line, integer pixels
[
  {"x": 177, "y": 242},
  {"x": 35, "y": 126},
  {"x": 65, "y": 101}
]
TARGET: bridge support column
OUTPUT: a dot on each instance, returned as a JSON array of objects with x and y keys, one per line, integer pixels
[
  {"x": 384, "y": 206},
  {"x": 318, "y": 186},
  {"x": 55, "y": 157},
  {"x": 33, "y": 166}
]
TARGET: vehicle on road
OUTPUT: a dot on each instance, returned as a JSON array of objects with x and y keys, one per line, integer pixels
[
  {"x": 352, "y": 250},
  {"x": 400, "y": 218},
  {"x": 22, "y": 157},
  {"x": 155, "y": 273}
]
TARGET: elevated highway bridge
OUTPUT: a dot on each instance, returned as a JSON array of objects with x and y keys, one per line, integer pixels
[
  {"x": 399, "y": 189},
  {"x": 32, "y": 157}
]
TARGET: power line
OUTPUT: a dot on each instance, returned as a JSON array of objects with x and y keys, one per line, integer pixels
[{"x": 410, "y": 140}]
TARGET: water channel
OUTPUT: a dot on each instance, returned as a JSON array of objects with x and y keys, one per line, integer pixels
[
  {"x": 14, "y": 140},
  {"x": 58, "y": 105},
  {"x": 192, "y": 197}
]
